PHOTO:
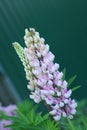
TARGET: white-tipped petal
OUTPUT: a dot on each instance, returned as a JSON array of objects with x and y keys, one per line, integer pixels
[
  {"x": 71, "y": 116},
  {"x": 68, "y": 94},
  {"x": 61, "y": 104},
  {"x": 56, "y": 118},
  {"x": 53, "y": 112},
  {"x": 64, "y": 114},
  {"x": 73, "y": 111},
  {"x": 58, "y": 93}
]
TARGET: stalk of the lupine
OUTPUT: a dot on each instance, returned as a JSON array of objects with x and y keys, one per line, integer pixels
[{"x": 47, "y": 81}]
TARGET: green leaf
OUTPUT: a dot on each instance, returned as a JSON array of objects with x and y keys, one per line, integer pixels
[
  {"x": 2, "y": 115},
  {"x": 70, "y": 81},
  {"x": 22, "y": 116},
  {"x": 64, "y": 73},
  {"x": 31, "y": 116},
  {"x": 27, "y": 118},
  {"x": 50, "y": 125},
  {"x": 39, "y": 119},
  {"x": 75, "y": 88},
  {"x": 70, "y": 124},
  {"x": 84, "y": 121}
]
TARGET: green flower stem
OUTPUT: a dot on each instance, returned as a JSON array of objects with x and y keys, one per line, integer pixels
[{"x": 70, "y": 123}]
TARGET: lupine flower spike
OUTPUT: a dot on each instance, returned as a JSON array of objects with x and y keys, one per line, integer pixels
[{"x": 45, "y": 80}]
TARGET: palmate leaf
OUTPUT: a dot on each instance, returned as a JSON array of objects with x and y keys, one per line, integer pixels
[
  {"x": 35, "y": 124},
  {"x": 39, "y": 119},
  {"x": 50, "y": 125},
  {"x": 27, "y": 118},
  {"x": 22, "y": 116},
  {"x": 70, "y": 81},
  {"x": 26, "y": 106},
  {"x": 23, "y": 127}
]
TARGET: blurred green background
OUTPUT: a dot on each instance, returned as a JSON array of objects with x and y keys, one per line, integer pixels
[{"x": 63, "y": 24}]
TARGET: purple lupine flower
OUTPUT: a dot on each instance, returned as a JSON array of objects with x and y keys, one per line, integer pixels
[
  {"x": 45, "y": 80},
  {"x": 9, "y": 111},
  {"x": 4, "y": 123}
]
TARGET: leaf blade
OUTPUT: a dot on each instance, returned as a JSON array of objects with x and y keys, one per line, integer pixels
[
  {"x": 70, "y": 81},
  {"x": 75, "y": 88}
]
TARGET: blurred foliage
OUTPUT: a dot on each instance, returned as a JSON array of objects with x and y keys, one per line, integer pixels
[{"x": 28, "y": 118}]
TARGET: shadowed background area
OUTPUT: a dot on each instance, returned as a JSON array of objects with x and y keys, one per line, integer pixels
[{"x": 62, "y": 23}]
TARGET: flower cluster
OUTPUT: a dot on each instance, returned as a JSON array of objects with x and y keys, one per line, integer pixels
[
  {"x": 9, "y": 110},
  {"x": 45, "y": 80}
]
